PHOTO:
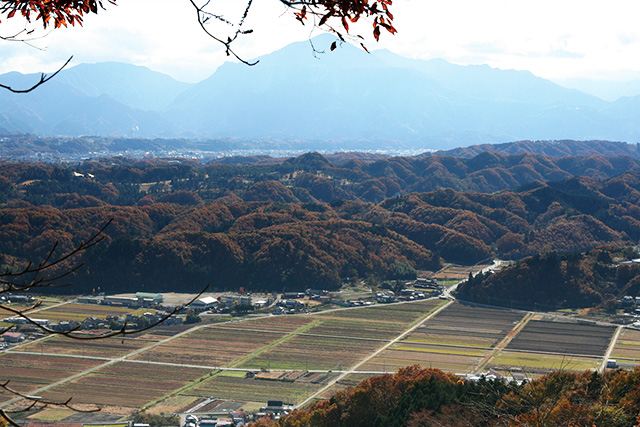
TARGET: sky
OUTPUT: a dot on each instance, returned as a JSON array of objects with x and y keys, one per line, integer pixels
[{"x": 552, "y": 39}]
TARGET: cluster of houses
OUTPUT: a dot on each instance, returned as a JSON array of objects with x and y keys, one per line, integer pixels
[
  {"x": 17, "y": 299},
  {"x": 274, "y": 409},
  {"x": 289, "y": 306},
  {"x": 226, "y": 303}
]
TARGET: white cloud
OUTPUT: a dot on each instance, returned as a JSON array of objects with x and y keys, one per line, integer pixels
[{"x": 553, "y": 39}]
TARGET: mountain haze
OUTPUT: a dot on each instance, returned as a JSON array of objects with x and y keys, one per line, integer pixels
[{"x": 349, "y": 97}]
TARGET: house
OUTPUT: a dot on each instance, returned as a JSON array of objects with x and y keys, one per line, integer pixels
[
  {"x": 204, "y": 304},
  {"x": 231, "y": 300},
  {"x": 13, "y": 337}
]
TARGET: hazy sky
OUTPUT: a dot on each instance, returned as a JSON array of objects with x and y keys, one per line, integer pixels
[{"x": 553, "y": 39}]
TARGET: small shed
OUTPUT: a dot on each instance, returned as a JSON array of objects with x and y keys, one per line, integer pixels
[{"x": 13, "y": 337}]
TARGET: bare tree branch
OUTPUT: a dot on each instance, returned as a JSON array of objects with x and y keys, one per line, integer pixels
[{"x": 43, "y": 79}]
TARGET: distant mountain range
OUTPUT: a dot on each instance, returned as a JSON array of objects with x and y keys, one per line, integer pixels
[{"x": 348, "y": 97}]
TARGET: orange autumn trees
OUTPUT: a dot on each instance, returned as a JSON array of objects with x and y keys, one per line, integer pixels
[
  {"x": 56, "y": 13},
  {"x": 428, "y": 397}
]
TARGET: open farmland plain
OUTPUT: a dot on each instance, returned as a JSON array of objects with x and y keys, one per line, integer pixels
[
  {"x": 301, "y": 357},
  {"x": 29, "y": 372},
  {"x": 627, "y": 349},
  {"x": 234, "y": 386},
  {"x": 126, "y": 384},
  {"x": 563, "y": 338},
  {"x": 79, "y": 312},
  {"x": 104, "y": 348},
  {"x": 545, "y": 345},
  {"x": 456, "y": 340}
]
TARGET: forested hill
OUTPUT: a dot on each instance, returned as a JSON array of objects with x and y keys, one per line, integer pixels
[
  {"x": 551, "y": 280},
  {"x": 549, "y": 148},
  {"x": 416, "y": 397},
  {"x": 308, "y": 221}
]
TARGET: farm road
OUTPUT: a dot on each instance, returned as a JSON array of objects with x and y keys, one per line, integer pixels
[
  {"x": 353, "y": 370},
  {"x": 612, "y": 345},
  {"x": 504, "y": 343}
]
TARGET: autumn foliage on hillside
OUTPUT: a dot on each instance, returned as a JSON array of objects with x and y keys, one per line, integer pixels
[
  {"x": 305, "y": 221},
  {"x": 428, "y": 397},
  {"x": 556, "y": 281}
]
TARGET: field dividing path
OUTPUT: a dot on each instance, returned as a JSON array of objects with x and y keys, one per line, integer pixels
[
  {"x": 35, "y": 310},
  {"x": 353, "y": 370},
  {"x": 95, "y": 368},
  {"x": 505, "y": 342},
  {"x": 60, "y": 382},
  {"x": 612, "y": 345}
]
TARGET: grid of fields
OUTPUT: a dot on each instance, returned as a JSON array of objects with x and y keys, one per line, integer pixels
[
  {"x": 211, "y": 346},
  {"x": 234, "y": 386},
  {"x": 313, "y": 352},
  {"x": 107, "y": 347},
  {"x": 460, "y": 338},
  {"x": 401, "y": 314},
  {"x": 455, "y": 340},
  {"x": 272, "y": 324},
  {"x": 627, "y": 349},
  {"x": 350, "y": 380},
  {"x": 126, "y": 384},
  {"x": 27, "y": 372},
  {"x": 537, "y": 364},
  {"x": 458, "y": 272},
  {"x": 563, "y": 338},
  {"x": 79, "y": 312}
]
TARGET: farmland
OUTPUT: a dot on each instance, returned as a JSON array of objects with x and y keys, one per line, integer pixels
[
  {"x": 536, "y": 364},
  {"x": 27, "y": 372},
  {"x": 563, "y": 338},
  {"x": 455, "y": 340},
  {"x": 328, "y": 353},
  {"x": 107, "y": 348},
  {"x": 627, "y": 349},
  {"x": 236, "y": 387},
  {"x": 79, "y": 312},
  {"x": 457, "y": 272},
  {"x": 211, "y": 346},
  {"x": 126, "y": 384},
  {"x": 171, "y": 367}
]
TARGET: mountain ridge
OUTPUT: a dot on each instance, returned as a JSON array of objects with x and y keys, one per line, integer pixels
[{"x": 347, "y": 96}]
